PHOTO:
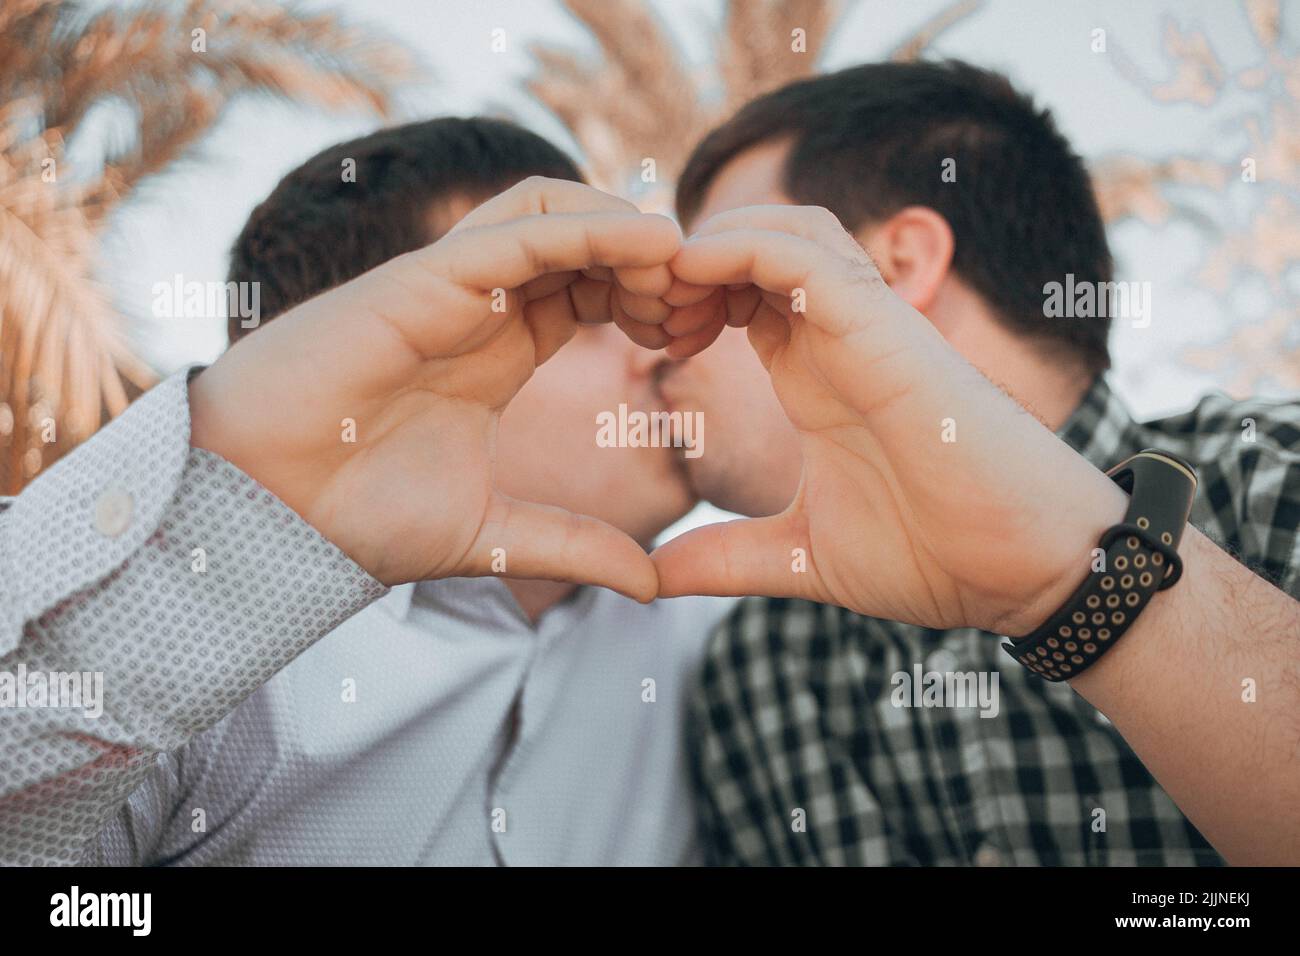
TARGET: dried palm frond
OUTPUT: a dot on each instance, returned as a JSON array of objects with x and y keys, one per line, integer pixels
[
  {"x": 639, "y": 101},
  {"x": 759, "y": 52},
  {"x": 920, "y": 41},
  {"x": 64, "y": 364},
  {"x": 638, "y": 98},
  {"x": 1264, "y": 246}
]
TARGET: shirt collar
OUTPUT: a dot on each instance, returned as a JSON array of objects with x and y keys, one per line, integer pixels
[
  {"x": 398, "y": 600},
  {"x": 485, "y": 601},
  {"x": 1101, "y": 428}
]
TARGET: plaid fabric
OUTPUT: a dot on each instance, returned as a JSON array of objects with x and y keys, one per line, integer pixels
[{"x": 809, "y": 748}]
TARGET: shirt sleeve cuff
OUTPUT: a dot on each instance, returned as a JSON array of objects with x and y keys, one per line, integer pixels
[{"x": 170, "y": 570}]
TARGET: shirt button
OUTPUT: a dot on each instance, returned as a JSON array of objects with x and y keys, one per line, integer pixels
[
  {"x": 113, "y": 512},
  {"x": 988, "y": 855}
]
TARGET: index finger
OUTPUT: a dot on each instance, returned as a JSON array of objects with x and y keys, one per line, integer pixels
[
  {"x": 507, "y": 255},
  {"x": 834, "y": 287},
  {"x": 815, "y": 223},
  {"x": 538, "y": 195}
]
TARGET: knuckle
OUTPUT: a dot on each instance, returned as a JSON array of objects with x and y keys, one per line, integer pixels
[{"x": 534, "y": 189}]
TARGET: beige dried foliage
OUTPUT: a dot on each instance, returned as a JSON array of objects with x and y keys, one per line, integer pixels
[
  {"x": 1265, "y": 248},
  {"x": 756, "y": 52},
  {"x": 639, "y": 100},
  {"x": 920, "y": 41},
  {"x": 63, "y": 357}
]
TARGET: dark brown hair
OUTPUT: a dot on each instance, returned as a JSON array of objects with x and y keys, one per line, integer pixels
[
  {"x": 871, "y": 140},
  {"x": 316, "y": 231}
]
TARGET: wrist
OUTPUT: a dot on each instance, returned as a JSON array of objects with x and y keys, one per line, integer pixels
[
  {"x": 215, "y": 426},
  {"x": 209, "y": 421},
  {"x": 1111, "y": 681},
  {"x": 1066, "y": 540},
  {"x": 1135, "y": 559},
  {"x": 202, "y": 424}
]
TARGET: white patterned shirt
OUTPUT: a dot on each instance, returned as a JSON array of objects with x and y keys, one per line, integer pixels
[{"x": 280, "y": 706}]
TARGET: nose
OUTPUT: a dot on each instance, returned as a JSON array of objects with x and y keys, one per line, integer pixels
[{"x": 645, "y": 363}]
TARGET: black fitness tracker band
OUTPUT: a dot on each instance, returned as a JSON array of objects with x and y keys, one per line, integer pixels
[{"x": 1141, "y": 558}]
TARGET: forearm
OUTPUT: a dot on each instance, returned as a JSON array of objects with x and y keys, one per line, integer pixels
[
  {"x": 201, "y": 589},
  {"x": 1205, "y": 688}
]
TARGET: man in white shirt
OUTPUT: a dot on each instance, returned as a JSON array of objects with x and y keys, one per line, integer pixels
[{"x": 489, "y": 720}]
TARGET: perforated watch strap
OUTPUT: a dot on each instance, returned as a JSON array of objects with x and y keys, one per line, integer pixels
[{"x": 1141, "y": 558}]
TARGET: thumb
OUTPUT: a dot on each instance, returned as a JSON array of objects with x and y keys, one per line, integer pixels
[
  {"x": 522, "y": 539},
  {"x": 767, "y": 556}
]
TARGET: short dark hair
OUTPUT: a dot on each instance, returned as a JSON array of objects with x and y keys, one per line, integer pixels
[
  {"x": 870, "y": 140},
  {"x": 316, "y": 231}
]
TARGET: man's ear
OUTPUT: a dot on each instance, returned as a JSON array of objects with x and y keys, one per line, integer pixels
[{"x": 913, "y": 250}]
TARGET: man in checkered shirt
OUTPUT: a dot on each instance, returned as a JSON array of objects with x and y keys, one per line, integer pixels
[
  {"x": 814, "y": 740},
  {"x": 898, "y": 482}
]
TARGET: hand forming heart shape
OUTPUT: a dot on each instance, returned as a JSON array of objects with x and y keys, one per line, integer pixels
[{"x": 890, "y": 520}]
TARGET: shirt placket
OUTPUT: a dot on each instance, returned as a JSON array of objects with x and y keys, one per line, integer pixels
[
  {"x": 529, "y": 698},
  {"x": 961, "y": 761}
]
